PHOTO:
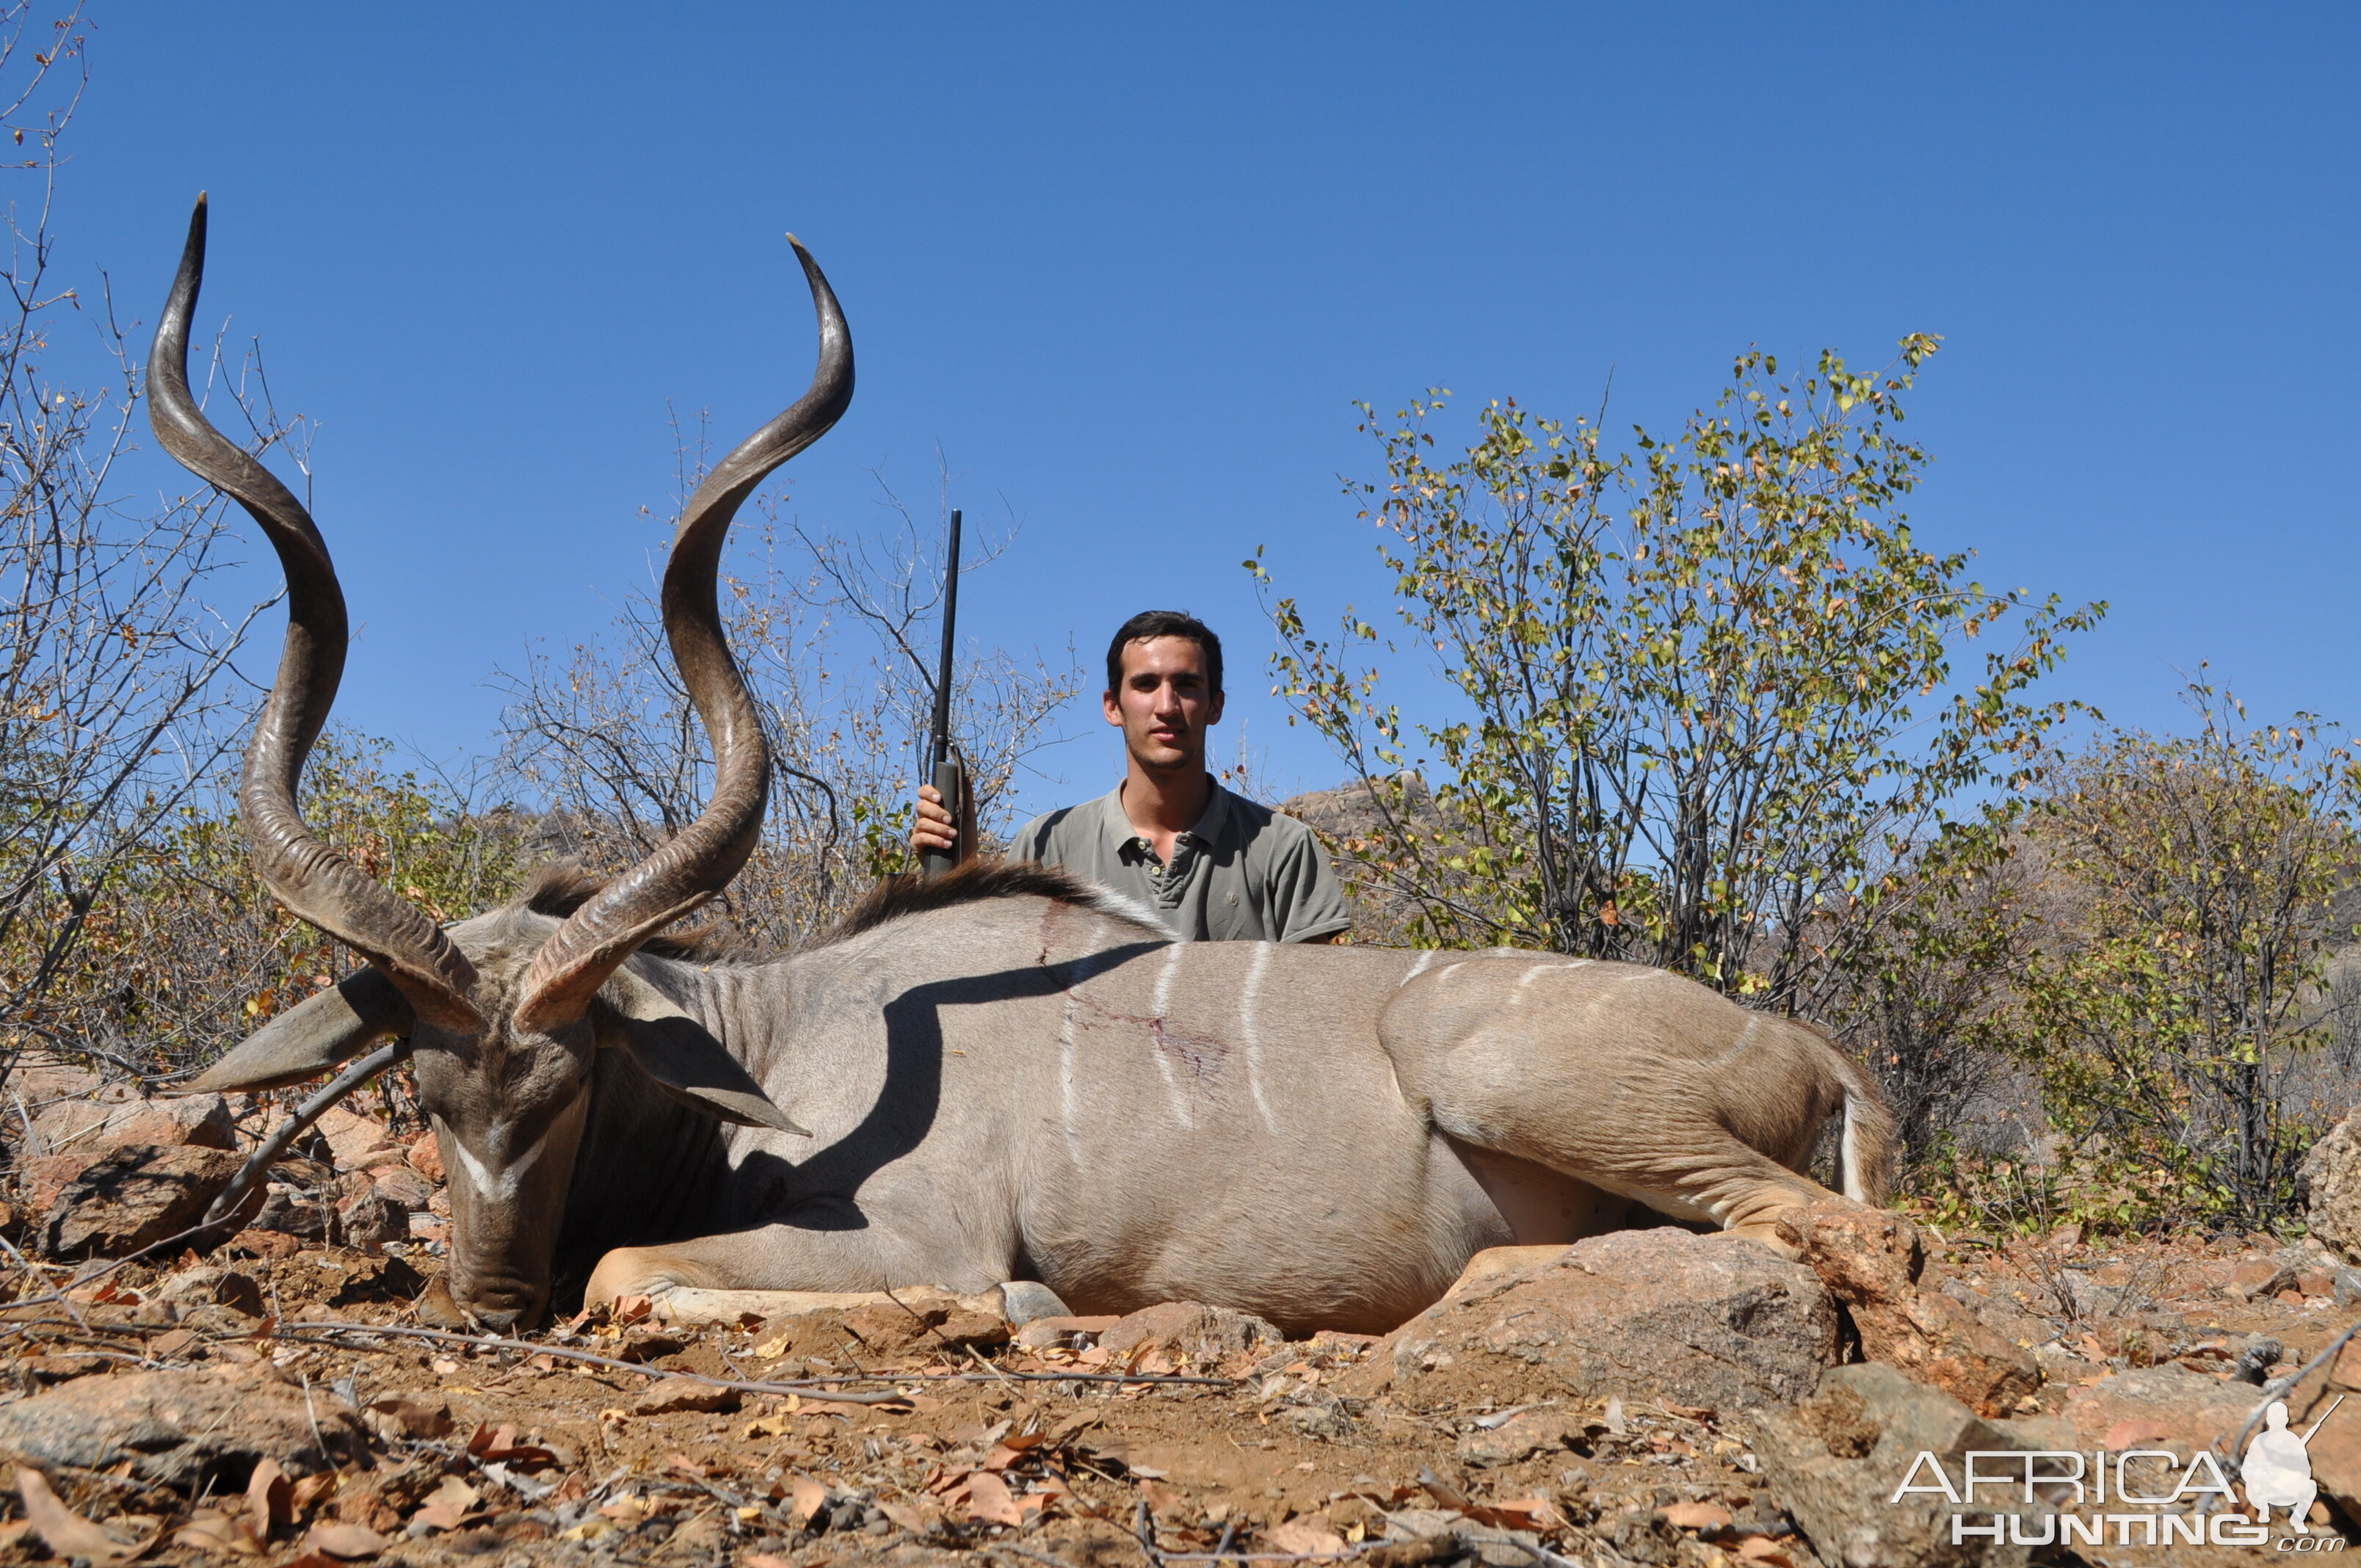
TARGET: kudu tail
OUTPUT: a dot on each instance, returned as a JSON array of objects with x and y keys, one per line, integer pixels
[{"x": 1867, "y": 1155}]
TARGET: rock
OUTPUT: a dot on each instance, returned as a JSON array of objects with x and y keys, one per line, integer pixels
[
  {"x": 1835, "y": 1462},
  {"x": 372, "y": 1219},
  {"x": 182, "y": 1429},
  {"x": 39, "y": 1077},
  {"x": 1939, "y": 1342},
  {"x": 2159, "y": 1406},
  {"x": 351, "y": 1137},
  {"x": 211, "y": 1284},
  {"x": 292, "y": 1210},
  {"x": 2330, "y": 1182},
  {"x": 74, "y": 1123},
  {"x": 1519, "y": 1436},
  {"x": 1187, "y": 1331},
  {"x": 1694, "y": 1319},
  {"x": 1865, "y": 1257},
  {"x": 2258, "y": 1277},
  {"x": 403, "y": 1186},
  {"x": 1870, "y": 1261},
  {"x": 2335, "y": 1444},
  {"x": 426, "y": 1158},
  {"x": 196, "y": 1120},
  {"x": 46, "y": 1178},
  {"x": 682, "y": 1396},
  {"x": 265, "y": 1243},
  {"x": 200, "y": 1121},
  {"x": 1040, "y": 1333},
  {"x": 135, "y": 1195}
]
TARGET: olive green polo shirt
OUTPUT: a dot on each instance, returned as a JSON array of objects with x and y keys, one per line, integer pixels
[{"x": 1244, "y": 874}]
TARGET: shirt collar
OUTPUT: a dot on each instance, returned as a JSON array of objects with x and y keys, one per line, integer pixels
[{"x": 1206, "y": 830}]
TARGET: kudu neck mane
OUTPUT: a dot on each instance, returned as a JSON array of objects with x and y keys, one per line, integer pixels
[{"x": 559, "y": 890}]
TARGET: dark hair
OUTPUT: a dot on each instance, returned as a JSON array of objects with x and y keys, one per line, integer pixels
[{"x": 1150, "y": 623}]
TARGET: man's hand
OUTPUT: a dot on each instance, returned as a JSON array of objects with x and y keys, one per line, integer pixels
[{"x": 932, "y": 827}]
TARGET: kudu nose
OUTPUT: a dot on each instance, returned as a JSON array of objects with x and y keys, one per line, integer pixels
[{"x": 500, "y": 1306}]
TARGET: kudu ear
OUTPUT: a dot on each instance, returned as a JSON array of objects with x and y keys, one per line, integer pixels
[
  {"x": 312, "y": 1037},
  {"x": 681, "y": 1055}
]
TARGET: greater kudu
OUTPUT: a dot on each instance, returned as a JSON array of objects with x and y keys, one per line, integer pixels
[{"x": 1006, "y": 1074}]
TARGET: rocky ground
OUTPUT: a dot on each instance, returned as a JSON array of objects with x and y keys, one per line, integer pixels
[{"x": 303, "y": 1391}]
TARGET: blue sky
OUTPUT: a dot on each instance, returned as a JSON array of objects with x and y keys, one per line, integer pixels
[{"x": 1129, "y": 272}]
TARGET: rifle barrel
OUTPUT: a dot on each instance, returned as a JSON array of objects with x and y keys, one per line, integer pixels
[{"x": 940, "y": 740}]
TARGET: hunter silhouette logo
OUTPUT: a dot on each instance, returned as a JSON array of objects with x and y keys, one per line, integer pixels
[{"x": 2277, "y": 1468}]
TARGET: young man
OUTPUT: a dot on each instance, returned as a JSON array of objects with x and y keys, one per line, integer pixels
[{"x": 1214, "y": 865}]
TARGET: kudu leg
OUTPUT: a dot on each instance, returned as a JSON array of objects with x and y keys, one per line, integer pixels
[
  {"x": 1651, "y": 1132},
  {"x": 783, "y": 1257}
]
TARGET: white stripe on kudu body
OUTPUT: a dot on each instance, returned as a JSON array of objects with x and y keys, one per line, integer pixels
[
  {"x": 1250, "y": 1026},
  {"x": 1161, "y": 1001},
  {"x": 1066, "y": 1078}
]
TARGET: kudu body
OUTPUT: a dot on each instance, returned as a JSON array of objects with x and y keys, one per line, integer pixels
[{"x": 1003, "y": 1074}]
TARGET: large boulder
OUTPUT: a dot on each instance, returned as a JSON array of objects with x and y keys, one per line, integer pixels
[
  {"x": 2335, "y": 1442},
  {"x": 2331, "y": 1179},
  {"x": 1870, "y": 1261},
  {"x": 182, "y": 1429},
  {"x": 135, "y": 1196},
  {"x": 1708, "y": 1321},
  {"x": 1836, "y": 1460}
]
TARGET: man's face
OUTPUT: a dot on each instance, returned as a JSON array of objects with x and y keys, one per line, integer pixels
[{"x": 1164, "y": 703}]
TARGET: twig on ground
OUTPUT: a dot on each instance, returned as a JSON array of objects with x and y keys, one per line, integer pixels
[
  {"x": 54, "y": 1294},
  {"x": 1143, "y": 1525}
]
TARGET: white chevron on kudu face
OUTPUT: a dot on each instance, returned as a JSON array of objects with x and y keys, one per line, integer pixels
[{"x": 503, "y": 1188}]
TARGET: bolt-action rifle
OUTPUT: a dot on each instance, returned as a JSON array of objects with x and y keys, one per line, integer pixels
[{"x": 949, "y": 780}]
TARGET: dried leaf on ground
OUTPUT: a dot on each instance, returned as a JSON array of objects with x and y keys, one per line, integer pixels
[
  {"x": 1308, "y": 1534},
  {"x": 270, "y": 1500},
  {"x": 209, "y": 1529},
  {"x": 1696, "y": 1516},
  {"x": 350, "y": 1542},
  {"x": 66, "y": 1532},
  {"x": 449, "y": 1504},
  {"x": 987, "y": 1498}
]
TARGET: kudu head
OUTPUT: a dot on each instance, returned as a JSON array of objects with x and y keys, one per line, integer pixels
[{"x": 503, "y": 1021}]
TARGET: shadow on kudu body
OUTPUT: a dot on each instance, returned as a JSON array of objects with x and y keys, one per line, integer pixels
[{"x": 1005, "y": 1074}]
